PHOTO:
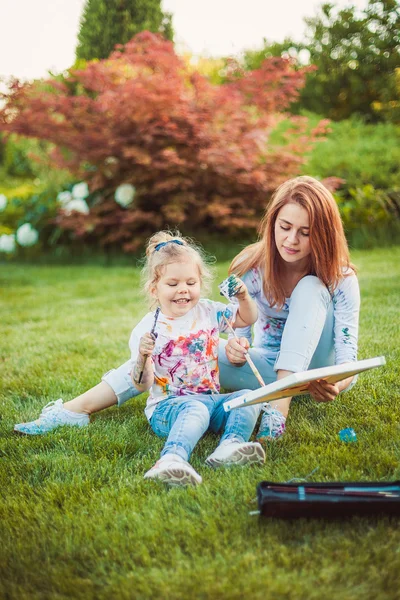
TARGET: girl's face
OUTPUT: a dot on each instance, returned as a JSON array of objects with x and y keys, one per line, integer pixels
[
  {"x": 292, "y": 228},
  {"x": 178, "y": 289}
]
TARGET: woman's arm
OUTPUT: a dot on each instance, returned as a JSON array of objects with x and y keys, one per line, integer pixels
[{"x": 346, "y": 310}]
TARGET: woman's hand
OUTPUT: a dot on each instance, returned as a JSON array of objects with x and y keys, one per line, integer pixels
[
  {"x": 235, "y": 351},
  {"x": 322, "y": 391}
]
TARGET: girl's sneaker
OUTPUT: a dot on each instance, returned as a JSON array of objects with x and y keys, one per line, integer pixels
[
  {"x": 231, "y": 452},
  {"x": 272, "y": 425},
  {"x": 172, "y": 469},
  {"x": 53, "y": 415}
]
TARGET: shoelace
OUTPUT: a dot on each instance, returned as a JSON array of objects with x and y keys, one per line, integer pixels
[
  {"x": 49, "y": 407},
  {"x": 275, "y": 418}
]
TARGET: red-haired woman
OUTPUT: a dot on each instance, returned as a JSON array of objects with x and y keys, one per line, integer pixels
[
  {"x": 306, "y": 289},
  {"x": 308, "y": 300}
]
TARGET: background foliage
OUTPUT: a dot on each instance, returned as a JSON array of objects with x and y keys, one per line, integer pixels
[
  {"x": 207, "y": 153},
  {"x": 366, "y": 158},
  {"x": 197, "y": 154},
  {"x": 357, "y": 57}
]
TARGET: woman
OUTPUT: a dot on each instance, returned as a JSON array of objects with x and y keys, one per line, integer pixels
[
  {"x": 307, "y": 293},
  {"x": 300, "y": 275}
]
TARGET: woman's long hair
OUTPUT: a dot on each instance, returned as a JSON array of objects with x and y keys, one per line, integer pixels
[{"x": 329, "y": 256}]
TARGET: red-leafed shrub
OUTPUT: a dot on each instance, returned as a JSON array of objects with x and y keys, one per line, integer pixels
[{"x": 197, "y": 154}]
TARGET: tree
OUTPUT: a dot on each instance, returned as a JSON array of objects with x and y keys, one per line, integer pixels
[
  {"x": 356, "y": 55},
  {"x": 199, "y": 155},
  {"x": 253, "y": 59},
  {"x": 105, "y": 23}
]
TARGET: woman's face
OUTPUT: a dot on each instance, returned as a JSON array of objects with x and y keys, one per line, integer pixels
[{"x": 292, "y": 228}]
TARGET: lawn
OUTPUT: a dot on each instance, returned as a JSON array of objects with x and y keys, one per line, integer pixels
[{"x": 77, "y": 520}]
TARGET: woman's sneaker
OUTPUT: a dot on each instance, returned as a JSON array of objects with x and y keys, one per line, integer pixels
[
  {"x": 53, "y": 415},
  {"x": 272, "y": 425},
  {"x": 172, "y": 469},
  {"x": 231, "y": 452}
]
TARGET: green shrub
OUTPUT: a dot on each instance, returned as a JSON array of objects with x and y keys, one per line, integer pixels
[
  {"x": 25, "y": 162},
  {"x": 370, "y": 216},
  {"x": 360, "y": 153},
  {"x": 16, "y": 159},
  {"x": 19, "y": 188},
  {"x": 367, "y": 158}
]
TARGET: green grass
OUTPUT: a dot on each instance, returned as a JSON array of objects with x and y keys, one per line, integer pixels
[{"x": 77, "y": 520}]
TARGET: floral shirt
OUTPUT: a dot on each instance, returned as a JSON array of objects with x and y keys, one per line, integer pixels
[
  {"x": 185, "y": 358},
  {"x": 268, "y": 329}
]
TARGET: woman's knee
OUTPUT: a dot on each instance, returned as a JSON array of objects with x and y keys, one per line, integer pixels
[{"x": 310, "y": 286}]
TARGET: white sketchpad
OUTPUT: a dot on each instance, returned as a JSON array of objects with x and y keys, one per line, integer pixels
[{"x": 297, "y": 383}]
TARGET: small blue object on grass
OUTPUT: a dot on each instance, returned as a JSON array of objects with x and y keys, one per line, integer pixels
[{"x": 348, "y": 435}]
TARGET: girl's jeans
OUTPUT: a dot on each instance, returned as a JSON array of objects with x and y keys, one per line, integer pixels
[
  {"x": 184, "y": 419},
  {"x": 307, "y": 343}
]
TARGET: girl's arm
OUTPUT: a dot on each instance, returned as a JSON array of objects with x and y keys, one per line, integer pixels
[
  {"x": 247, "y": 313},
  {"x": 143, "y": 369}
]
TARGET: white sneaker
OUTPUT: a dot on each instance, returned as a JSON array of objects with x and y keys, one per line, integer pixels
[
  {"x": 231, "y": 452},
  {"x": 53, "y": 415},
  {"x": 172, "y": 469},
  {"x": 272, "y": 425}
]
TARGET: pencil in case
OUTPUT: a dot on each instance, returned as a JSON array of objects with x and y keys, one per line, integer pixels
[{"x": 328, "y": 500}]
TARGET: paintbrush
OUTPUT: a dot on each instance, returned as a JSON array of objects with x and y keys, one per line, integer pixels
[
  {"x": 229, "y": 288},
  {"x": 152, "y": 333},
  {"x": 247, "y": 357}
]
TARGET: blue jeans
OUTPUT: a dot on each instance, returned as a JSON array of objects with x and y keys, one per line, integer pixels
[
  {"x": 307, "y": 343},
  {"x": 184, "y": 419}
]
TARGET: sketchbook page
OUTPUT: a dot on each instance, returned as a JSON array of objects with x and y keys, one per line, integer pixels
[{"x": 297, "y": 383}]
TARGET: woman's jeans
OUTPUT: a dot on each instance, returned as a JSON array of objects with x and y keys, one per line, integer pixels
[
  {"x": 307, "y": 343},
  {"x": 184, "y": 419}
]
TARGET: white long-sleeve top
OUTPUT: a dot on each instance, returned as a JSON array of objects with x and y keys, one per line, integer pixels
[{"x": 267, "y": 332}]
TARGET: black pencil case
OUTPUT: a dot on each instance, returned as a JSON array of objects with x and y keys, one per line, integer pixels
[{"x": 328, "y": 500}]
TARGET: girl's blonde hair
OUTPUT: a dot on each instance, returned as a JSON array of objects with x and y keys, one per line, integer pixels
[
  {"x": 166, "y": 247},
  {"x": 329, "y": 256}
]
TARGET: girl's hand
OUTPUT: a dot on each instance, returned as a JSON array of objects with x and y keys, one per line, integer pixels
[
  {"x": 235, "y": 351},
  {"x": 147, "y": 344},
  {"x": 322, "y": 391},
  {"x": 242, "y": 292}
]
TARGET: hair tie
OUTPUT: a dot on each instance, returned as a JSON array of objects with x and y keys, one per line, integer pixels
[{"x": 162, "y": 244}]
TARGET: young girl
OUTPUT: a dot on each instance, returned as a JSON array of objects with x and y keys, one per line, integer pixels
[{"x": 178, "y": 363}]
